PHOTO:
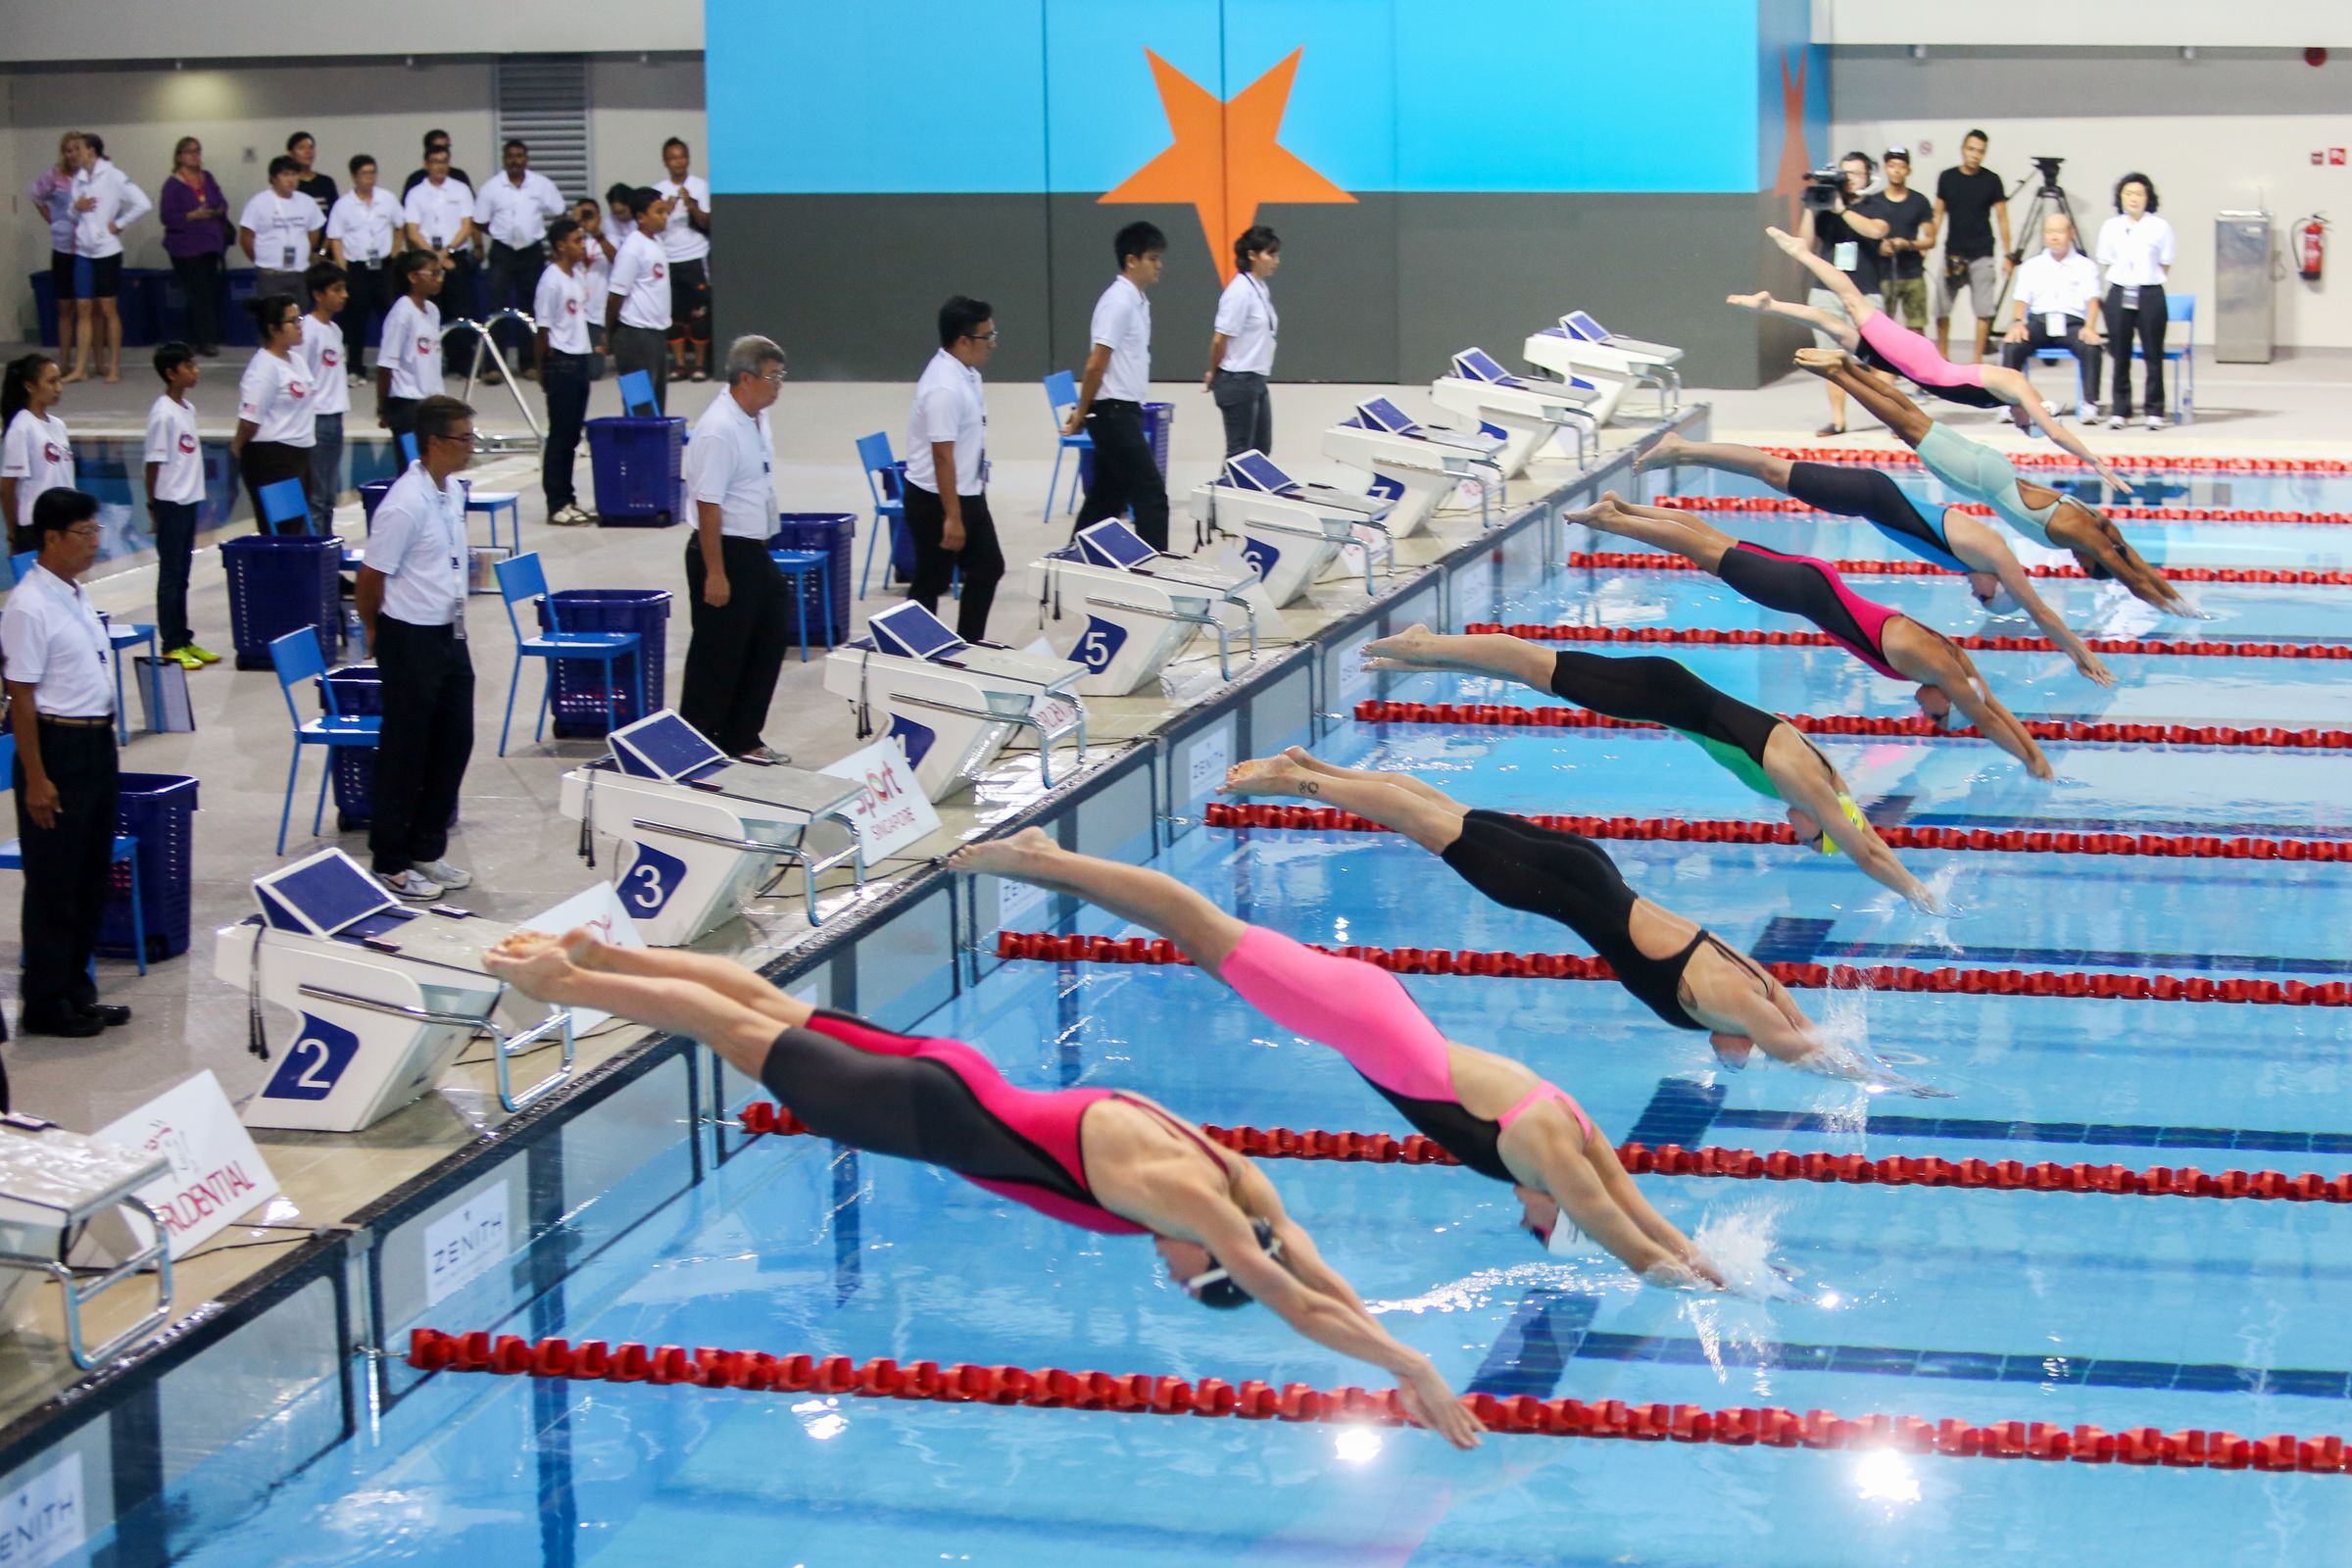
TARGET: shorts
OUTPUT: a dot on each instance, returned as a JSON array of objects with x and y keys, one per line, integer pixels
[
  {"x": 60, "y": 275},
  {"x": 97, "y": 277},
  {"x": 690, "y": 300},
  {"x": 1907, "y": 301},
  {"x": 1820, "y": 299},
  {"x": 1982, "y": 275}
]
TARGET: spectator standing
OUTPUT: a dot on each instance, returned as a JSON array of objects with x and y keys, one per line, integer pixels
[
  {"x": 362, "y": 237},
  {"x": 61, "y": 692},
  {"x": 599, "y": 249},
  {"x": 514, "y": 210},
  {"x": 434, "y": 142},
  {"x": 275, "y": 426},
  {"x": 274, "y": 230},
  {"x": 1850, "y": 239},
  {"x": 438, "y": 213},
  {"x": 326, "y": 353},
  {"x": 1968, "y": 199},
  {"x": 2057, "y": 306},
  {"x": 196, "y": 232},
  {"x": 1910, "y": 220},
  {"x": 53, "y": 198},
  {"x": 412, "y": 602},
  {"x": 106, "y": 202},
  {"x": 947, "y": 470},
  {"x": 174, "y": 464},
  {"x": 408, "y": 364},
  {"x": 637, "y": 304},
  {"x": 1112, "y": 392},
  {"x": 314, "y": 182},
  {"x": 1240, "y": 351},
  {"x": 686, "y": 243},
  {"x": 2136, "y": 249},
  {"x": 35, "y": 453},
  {"x": 566, "y": 363},
  {"x": 736, "y": 596}
]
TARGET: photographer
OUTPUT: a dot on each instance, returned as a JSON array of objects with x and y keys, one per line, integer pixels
[
  {"x": 1967, "y": 201},
  {"x": 1910, "y": 221},
  {"x": 1837, "y": 227},
  {"x": 2057, "y": 306}
]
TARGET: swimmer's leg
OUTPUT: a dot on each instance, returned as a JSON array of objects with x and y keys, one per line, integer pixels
[
  {"x": 1206, "y": 933},
  {"x": 668, "y": 997},
  {"x": 1886, "y": 403},
  {"x": 1427, "y": 816},
  {"x": 1724, "y": 455},
  {"x": 1857, "y": 305},
  {"x": 1820, "y": 320},
  {"x": 1486, "y": 653},
  {"x": 1681, "y": 535}
]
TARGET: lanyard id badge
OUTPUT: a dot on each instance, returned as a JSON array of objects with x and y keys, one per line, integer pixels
[
  {"x": 2055, "y": 324},
  {"x": 1846, "y": 256}
]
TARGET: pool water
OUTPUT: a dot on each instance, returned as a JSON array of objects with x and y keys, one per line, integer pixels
[{"x": 1980, "y": 1305}]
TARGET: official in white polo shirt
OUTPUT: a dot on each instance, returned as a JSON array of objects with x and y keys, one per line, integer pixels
[
  {"x": 412, "y": 600},
  {"x": 1112, "y": 393},
  {"x": 567, "y": 362},
  {"x": 2057, "y": 306},
  {"x": 61, "y": 692},
  {"x": 514, "y": 207},
  {"x": 274, "y": 230},
  {"x": 439, "y": 216},
  {"x": 636, "y": 307},
  {"x": 947, "y": 470},
  {"x": 738, "y": 601},
  {"x": 1241, "y": 354}
]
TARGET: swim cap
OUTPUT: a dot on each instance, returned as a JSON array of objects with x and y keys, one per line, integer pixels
[
  {"x": 2001, "y": 601},
  {"x": 1827, "y": 845},
  {"x": 1214, "y": 1287},
  {"x": 1564, "y": 1240}
]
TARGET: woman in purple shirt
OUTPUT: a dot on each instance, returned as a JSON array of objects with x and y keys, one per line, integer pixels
[
  {"x": 195, "y": 232},
  {"x": 53, "y": 195}
]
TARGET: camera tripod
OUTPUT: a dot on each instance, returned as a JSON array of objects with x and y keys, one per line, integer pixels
[{"x": 2051, "y": 197}]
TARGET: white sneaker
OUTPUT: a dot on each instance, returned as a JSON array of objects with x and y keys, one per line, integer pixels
[
  {"x": 451, "y": 877},
  {"x": 2087, "y": 413},
  {"x": 412, "y": 886},
  {"x": 2155, "y": 422},
  {"x": 2115, "y": 421}
]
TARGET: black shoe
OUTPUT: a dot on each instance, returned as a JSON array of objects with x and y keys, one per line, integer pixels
[
  {"x": 65, "y": 1025},
  {"x": 109, "y": 1014}
]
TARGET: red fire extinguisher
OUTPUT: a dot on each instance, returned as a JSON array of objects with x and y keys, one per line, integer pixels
[{"x": 2311, "y": 246}]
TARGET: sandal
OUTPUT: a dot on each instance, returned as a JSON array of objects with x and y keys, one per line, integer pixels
[{"x": 1830, "y": 429}]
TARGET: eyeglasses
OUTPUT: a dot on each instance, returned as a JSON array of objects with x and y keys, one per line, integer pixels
[
  {"x": 92, "y": 533},
  {"x": 465, "y": 436},
  {"x": 776, "y": 377},
  {"x": 982, "y": 337}
]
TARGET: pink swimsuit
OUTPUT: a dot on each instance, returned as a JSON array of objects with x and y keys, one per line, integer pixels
[{"x": 1912, "y": 355}]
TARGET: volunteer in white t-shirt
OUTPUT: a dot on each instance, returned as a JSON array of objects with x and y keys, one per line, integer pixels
[
  {"x": 363, "y": 237},
  {"x": 566, "y": 360},
  {"x": 275, "y": 432},
  {"x": 2136, "y": 248},
  {"x": 1112, "y": 390},
  {"x": 740, "y": 606},
  {"x": 324, "y": 352},
  {"x": 947, "y": 470},
  {"x": 408, "y": 361},
  {"x": 174, "y": 463},
  {"x": 637, "y": 301},
  {"x": 1241, "y": 353},
  {"x": 600, "y": 248},
  {"x": 35, "y": 452},
  {"x": 686, "y": 242},
  {"x": 274, "y": 230}
]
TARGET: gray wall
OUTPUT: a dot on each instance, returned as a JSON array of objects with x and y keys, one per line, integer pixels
[{"x": 1382, "y": 290}]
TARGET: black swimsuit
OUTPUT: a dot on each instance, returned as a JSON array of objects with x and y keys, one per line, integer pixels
[{"x": 1655, "y": 690}]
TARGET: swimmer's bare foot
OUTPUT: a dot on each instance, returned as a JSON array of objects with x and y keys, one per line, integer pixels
[
  {"x": 1667, "y": 450},
  {"x": 1020, "y": 856},
  {"x": 1761, "y": 300},
  {"x": 1821, "y": 361},
  {"x": 1269, "y": 775},
  {"x": 1788, "y": 243},
  {"x": 1405, "y": 650},
  {"x": 1602, "y": 513}
]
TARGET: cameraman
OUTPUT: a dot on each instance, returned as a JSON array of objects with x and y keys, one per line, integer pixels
[
  {"x": 1910, "y": 221},
  {"x": 1848, "y": 238}
]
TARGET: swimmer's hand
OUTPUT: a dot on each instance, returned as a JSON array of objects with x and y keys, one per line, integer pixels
[
  {"x": 1428, "y": 1401},
  {"x": 1928, "y": 902},
  {"x": 536, "y": 963}
]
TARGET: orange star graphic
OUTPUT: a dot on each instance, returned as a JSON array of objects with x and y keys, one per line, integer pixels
[
  {"x": 1226, "y": 158},
  {"x": 1795, "y": 163}
]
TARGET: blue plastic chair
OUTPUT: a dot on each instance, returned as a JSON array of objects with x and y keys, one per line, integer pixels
[
  {"x": 408, "y": 448},
  {"x": 282, "y": 503},
  {"x": 800, "y": 566},
  {"x": 1061, "y": 396},
  {"x": 124, "y": 853},
  {"x": 885, "y": 481},
  {"x": 2055, "y": 353},
  {"x": 637, "y": 395},
  {"x": 522, "y": 578},
  {"x": 296, "y": 657},
  {"x": 19, "y": 563},
  {"x": 2180, "y": 348}
]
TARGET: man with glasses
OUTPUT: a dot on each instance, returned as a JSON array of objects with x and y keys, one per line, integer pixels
[
  {"x": 61, "y": 695},
  {"x": 412, "y": 600},
  {"x": 736, "y": 597},
  {"x": 947, "y": 470}
]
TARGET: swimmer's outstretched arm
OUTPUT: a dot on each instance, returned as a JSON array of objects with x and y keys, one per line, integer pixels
[
  {"x": 1670, "y": 1258},
  {"x": 663, "y": 994},
  {"x": 1807, "y": 781},
  {"x": 2011, "y": 573},
  {"x": 1207, "y": 934},
  {"x": 1974, "y": 696},
  {"x": 2012, "y": 387},
  {"x": 1767, "y": 1015}
]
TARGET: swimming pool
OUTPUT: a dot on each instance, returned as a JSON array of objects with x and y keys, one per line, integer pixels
[{"x": 1979, "y": 1306}]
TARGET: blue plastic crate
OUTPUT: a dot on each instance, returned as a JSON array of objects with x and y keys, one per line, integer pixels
[
  {"x": 833, "y": 534},
  {"x": 280, "y": 583},
  {"x": 159, "y": 808},
  {"x": 582, "y": 701},
  {"x": 358, "y": 692},
  {"x": 639, "y": 470}
]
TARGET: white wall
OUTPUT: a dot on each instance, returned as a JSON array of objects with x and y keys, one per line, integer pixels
[
  {"x": 2222, "y": 132},
  {"x": 67, "y": 32},
  {"x": 2273, "y": 23},
  {"x": 245, "y": 114}
]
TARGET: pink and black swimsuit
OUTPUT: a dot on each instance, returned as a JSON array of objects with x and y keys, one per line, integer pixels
[{"x": 1800, "y": 585}]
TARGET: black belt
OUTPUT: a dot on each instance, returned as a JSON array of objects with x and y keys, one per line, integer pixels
[{"x": 72, "y": 721}]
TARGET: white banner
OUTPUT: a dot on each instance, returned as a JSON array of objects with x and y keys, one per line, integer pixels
[
  {"x": 597, "y": 907},
  {"x": 43, "y": 1521},
  {"x": 217, "y": 1174},
  {"x": 892, "y": 813},
  {"x": 467, "y": 1242}
]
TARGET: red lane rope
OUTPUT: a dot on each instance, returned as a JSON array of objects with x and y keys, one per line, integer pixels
[
  {"x": 1746, "y": 1164},
  {"x": 1976, "y": 509},
  {"x": 1656, "y": 561},
  {"x": 1145, "y": 1394},
  {"x": 1670, "y": 830},
  {"x": 1376, "y": 711},
  {"x": 1707, "y": 636},
  {"x": 1905, "y": 457},
  {"x": 1801, "y": 976}
]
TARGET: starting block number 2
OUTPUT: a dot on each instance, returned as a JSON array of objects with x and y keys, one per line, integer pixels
[{"x": 315, "y": 1063}]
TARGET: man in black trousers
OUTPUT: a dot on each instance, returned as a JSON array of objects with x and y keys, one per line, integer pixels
[
  {"x": 412, "y": 600},
  {"x": 947, "y": 470},
  {"x": 1112, "y": 393},
  {"x": 61, "y": 696},
  {"x": 737, "y": 598}
]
